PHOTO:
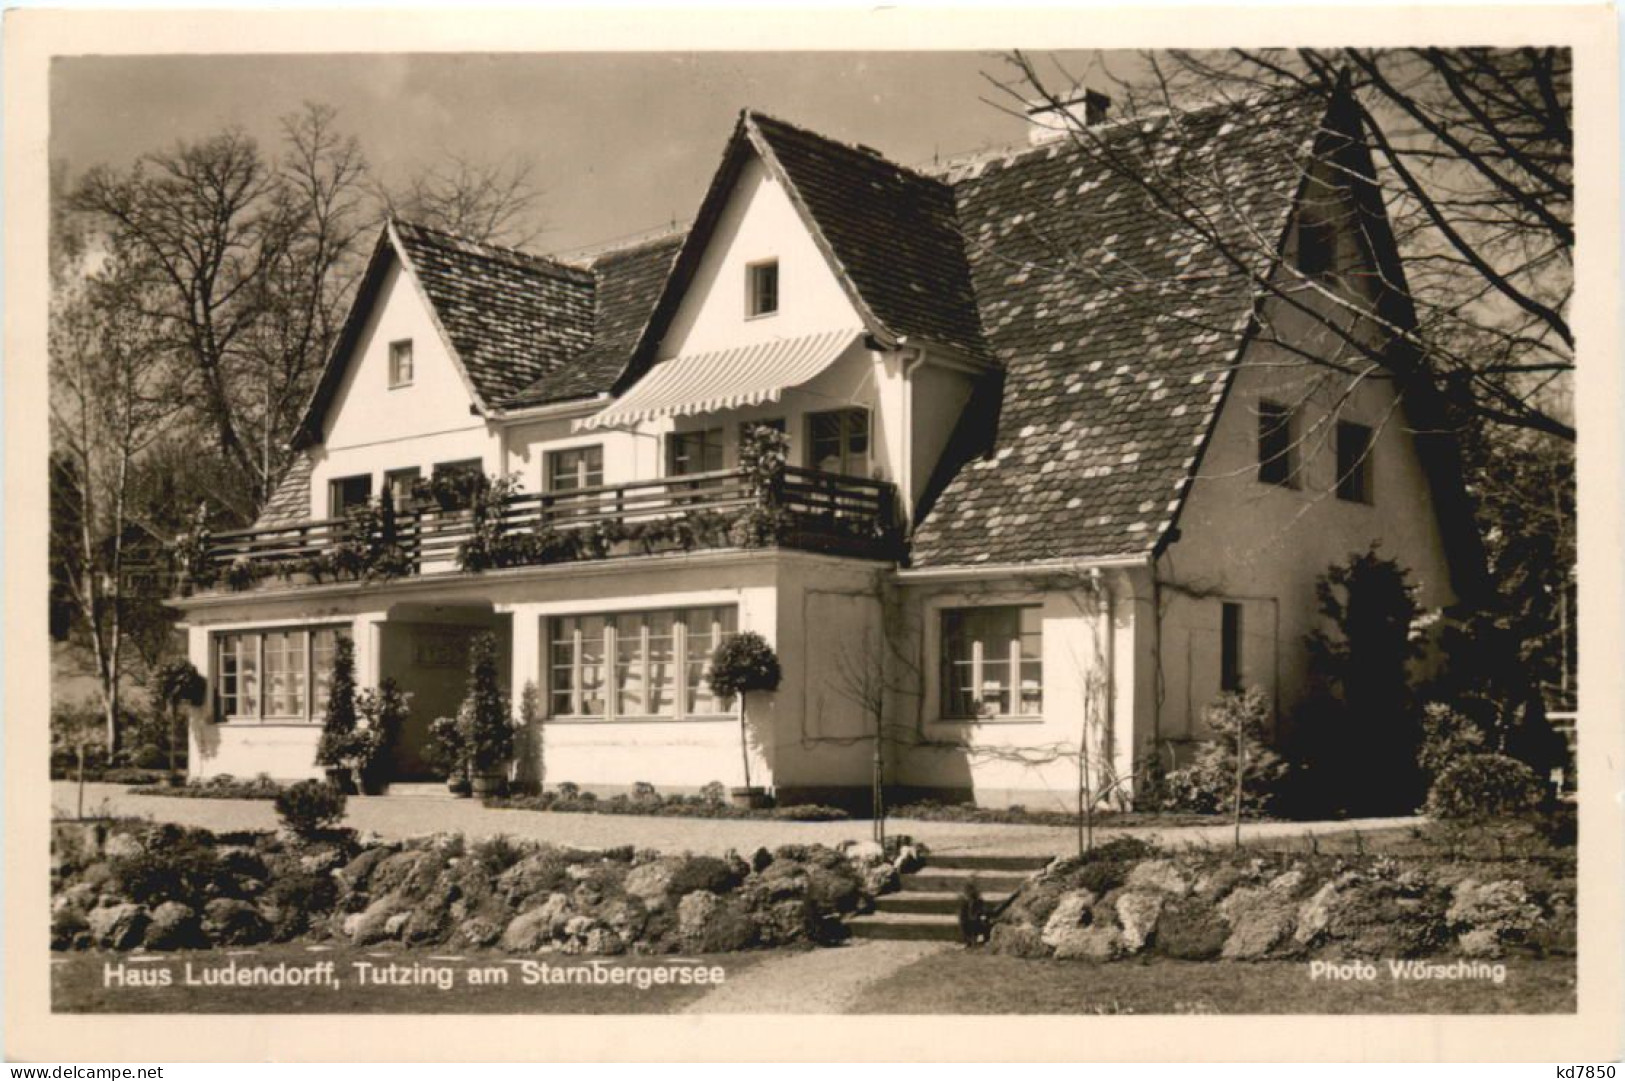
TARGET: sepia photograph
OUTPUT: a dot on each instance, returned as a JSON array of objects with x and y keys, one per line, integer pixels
[{"x": 982, "y": 531}]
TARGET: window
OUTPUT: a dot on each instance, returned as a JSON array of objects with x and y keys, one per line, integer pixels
[
  {"x": 636, "y": 664},
  {"x": 992, "y": 662},
  {"x": 762, "y": 288},
  {"x": 1353, "y": 462},
  {"x": 1276, "y": 454},
  {"x": 297, "y": 669},
  {"x": 399, "y": 484},
  {"x": 578, "y": 467},
  {"x": 688, "y": 453},
  {"x": 400, "y": 364},
  {"x": 1230, "y": 647},
  {"x": 840, "y": 441},
  {"x": 347, "y": 493}
]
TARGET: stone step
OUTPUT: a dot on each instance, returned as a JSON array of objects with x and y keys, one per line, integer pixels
[
  {"x": 967, "y": 862},
  {"x": 927, "y": 902},
  {"x": 951, "y": 880},
  {"x": 905, "y": 926}
]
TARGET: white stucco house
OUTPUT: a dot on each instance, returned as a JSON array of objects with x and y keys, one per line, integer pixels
[{"x": 1036, "y": 496}]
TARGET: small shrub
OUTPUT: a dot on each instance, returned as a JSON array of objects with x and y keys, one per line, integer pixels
[
  {"x": 1447, "y": 736},
  {"x": 309, "y": 807},
  {"x": 810, "y": 812},
  {"x": 173, "y": 866},
  {"x": 714, "y": 793},
  {"x": 497, "y": 854},
  {"x": 298, "y": 897},
  {"x": 744, "y": 663},
  {"x": 1208, "y": 784},
  {"x": 1485, "y": 786},
  {"x": 1121, "y": 850},
  {"x": 644, "y": 792},
  {"x": 148, "y": 756}
]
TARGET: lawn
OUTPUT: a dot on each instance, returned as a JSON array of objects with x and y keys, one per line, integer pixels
[
  {"x": 443, "y": 981},
  {"x": 963, "y": 981}
]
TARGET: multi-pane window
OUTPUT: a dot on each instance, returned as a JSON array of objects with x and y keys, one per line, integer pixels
[
  {"x": 762, "y": 288},
  {"x": 656, "y": 663},
  {"x": 399, "y": 484},
  {"x": 400, "y": 363},
  {"x": 275, "y": 675},
  {"x": 840, "y": 441},
  {"x": 688, "y": 453},
  {"x": 1353, "y": 462},
  {"x": 1276, "y": 453},
  {"x": 992, "y": 661},
  {"x": 347, "y": 493},
  {"x": 577, "y": 467}
]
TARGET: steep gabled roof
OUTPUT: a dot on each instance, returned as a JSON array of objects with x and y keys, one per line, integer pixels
[
  {"x": 627, "y": 283},
  {"x": 888, "y": 233},
  {"x": 1116, "y": 325},
  {"x": 511, "y": 317}
]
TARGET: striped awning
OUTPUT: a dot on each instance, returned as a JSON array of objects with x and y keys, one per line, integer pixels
[{"x": 728, "y": 379}]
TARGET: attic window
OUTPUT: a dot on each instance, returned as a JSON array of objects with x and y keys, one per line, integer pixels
[
  {"x": 762, "y": 288},
  {"x": 400, "y": 363},
  {"x": 1317, "y": 245},
  {"x": 1276, "y": 457},
  {"x": 1353, "y": 462}
]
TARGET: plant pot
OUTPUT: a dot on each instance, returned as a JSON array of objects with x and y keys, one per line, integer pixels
[
  {"x": 489, "y": 784},
  {"x": 751, "y": 799},
  {"x": 341, "y": 779},
  {"x": 459, "y": 786}
]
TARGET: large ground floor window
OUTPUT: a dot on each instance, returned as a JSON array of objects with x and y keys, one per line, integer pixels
[
  {"x": 636, "y": 664},
  {"x": 992, "y": 662},
  {"x": 284, "y": 674}
]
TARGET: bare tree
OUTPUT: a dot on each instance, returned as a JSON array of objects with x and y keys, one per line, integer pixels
[
  {"x": 1471, "y": 155},
  {"x": 493, "y": 202},
  {"x": 113, "y": 393}
]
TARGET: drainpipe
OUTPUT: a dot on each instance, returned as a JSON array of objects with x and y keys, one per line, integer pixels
[
  {"x": 913, "y": 357},
  {"x": 1106, "y": 600}
]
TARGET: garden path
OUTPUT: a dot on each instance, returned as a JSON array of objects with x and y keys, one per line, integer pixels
[
  {"x": 824, "y": 981},
  {"x": 397, "y": 817}
]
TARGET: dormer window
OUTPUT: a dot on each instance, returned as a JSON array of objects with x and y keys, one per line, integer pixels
[
  {"x": 400, "y": 364},
  {"x": 762, "y": 288}
]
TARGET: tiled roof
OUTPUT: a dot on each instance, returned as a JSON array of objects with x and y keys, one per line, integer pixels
[
  {"x": 1113, "y": 374},
  {"x": 627, "y": 283},
  {"x": 512, "y": 317},
  {"x": 290, "y": 502},
  {"x": 891, "y": 230}
]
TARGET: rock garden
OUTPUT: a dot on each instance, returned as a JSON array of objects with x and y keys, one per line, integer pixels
[
  {"x": 1126, "y": 900},
  {"x": 123, "y": 885}
]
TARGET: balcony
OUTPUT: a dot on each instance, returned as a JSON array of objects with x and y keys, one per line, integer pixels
[{"x": 490, "y": 529}]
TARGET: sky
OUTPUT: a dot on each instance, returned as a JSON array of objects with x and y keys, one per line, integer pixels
[{"x": 621, "y": 143}]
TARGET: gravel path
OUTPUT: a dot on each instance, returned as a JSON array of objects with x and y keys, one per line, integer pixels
[
  {"x": 824, "y": 981},
  {"x": 406, "y": 816}
]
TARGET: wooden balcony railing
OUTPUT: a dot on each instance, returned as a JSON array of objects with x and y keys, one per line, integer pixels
[{"x": 813, "y": 511}]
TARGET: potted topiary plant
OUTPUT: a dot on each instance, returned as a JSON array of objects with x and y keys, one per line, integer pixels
[
  {"x": 178, "y": 683},
  {"x": 741, "y": 664},
  {"x": 382, "y": 711},
  {"x": 339, "y": 748},
  {"x": 448, "y": 749},
  {"x": 489, "y": 720}
]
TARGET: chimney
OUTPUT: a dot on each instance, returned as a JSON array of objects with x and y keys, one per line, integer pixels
[{"x": 1047, "y": 121}]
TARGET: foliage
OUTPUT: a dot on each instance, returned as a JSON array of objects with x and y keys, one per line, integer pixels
[
  {"x": 449, "y": 745},
  {"x": 488, "y": 499},
  {"x": 1447, "y": 737},
  {"x": 309, "y": 807},
  {"x": 743, "y": 663},
  {"x": 1361, "y": 722},
  {"x": 383, "y": 711},
  {"x": 191, "y": 550},
  {"x": 568, "y": 798},
  {"x": 490, "y": 721},
  {"x": 171, "y": 866},
  {"x": 338, "y": 747},
  {"x": 179, "y": 682},
  {"x": 1484, "y": 786},
  {"x": 1208, "y": 784},
  {"x": 220, "y": 786}
]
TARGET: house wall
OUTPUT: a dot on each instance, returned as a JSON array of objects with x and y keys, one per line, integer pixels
[
  {"x": 1264, "y": 545},
  {"x": 1091, "y": 644},
  {"x": 372, "y": 428}
]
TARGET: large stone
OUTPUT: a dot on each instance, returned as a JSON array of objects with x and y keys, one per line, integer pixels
[
  {"x": 1490, "y": 915},
  {"x": 174, "y": 926},
  {"x": 121, "y": 846},
  {"x": 231, "y": 922},
  {"x": 355, "y": 876},
  {"x": 535, "y": 874},
  {"x": 695, "y": 910},
  {"x": 1260, "y": 919},
  {"x": 411, "y": 872},
  {"x": 1137, "y": 914},
  {"x": 1217, "y": 882},
  {"x": 528, "y": 931},
  {"x": 1072, "y": 913},
  {"x": 81, "y": 896},
  {"x": 650, "y": 882},
  {"x": 880, "y": 878},
  {"x": 866, "y": 852},
  {"x": 1163, "y": 876},
  {"x": 479, "y": 931},
  {"x": 322, "y": 861},
  {"x": 1088, "y": 944},
  {"x": 118, "y": 927},
  {"x": 376, "y": 922},
  {"x": 787, "y": 922},
  {"x": 1314, "y": 918}
]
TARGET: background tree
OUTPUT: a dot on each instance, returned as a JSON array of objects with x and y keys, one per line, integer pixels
[{"x": 491, "y": 202}]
